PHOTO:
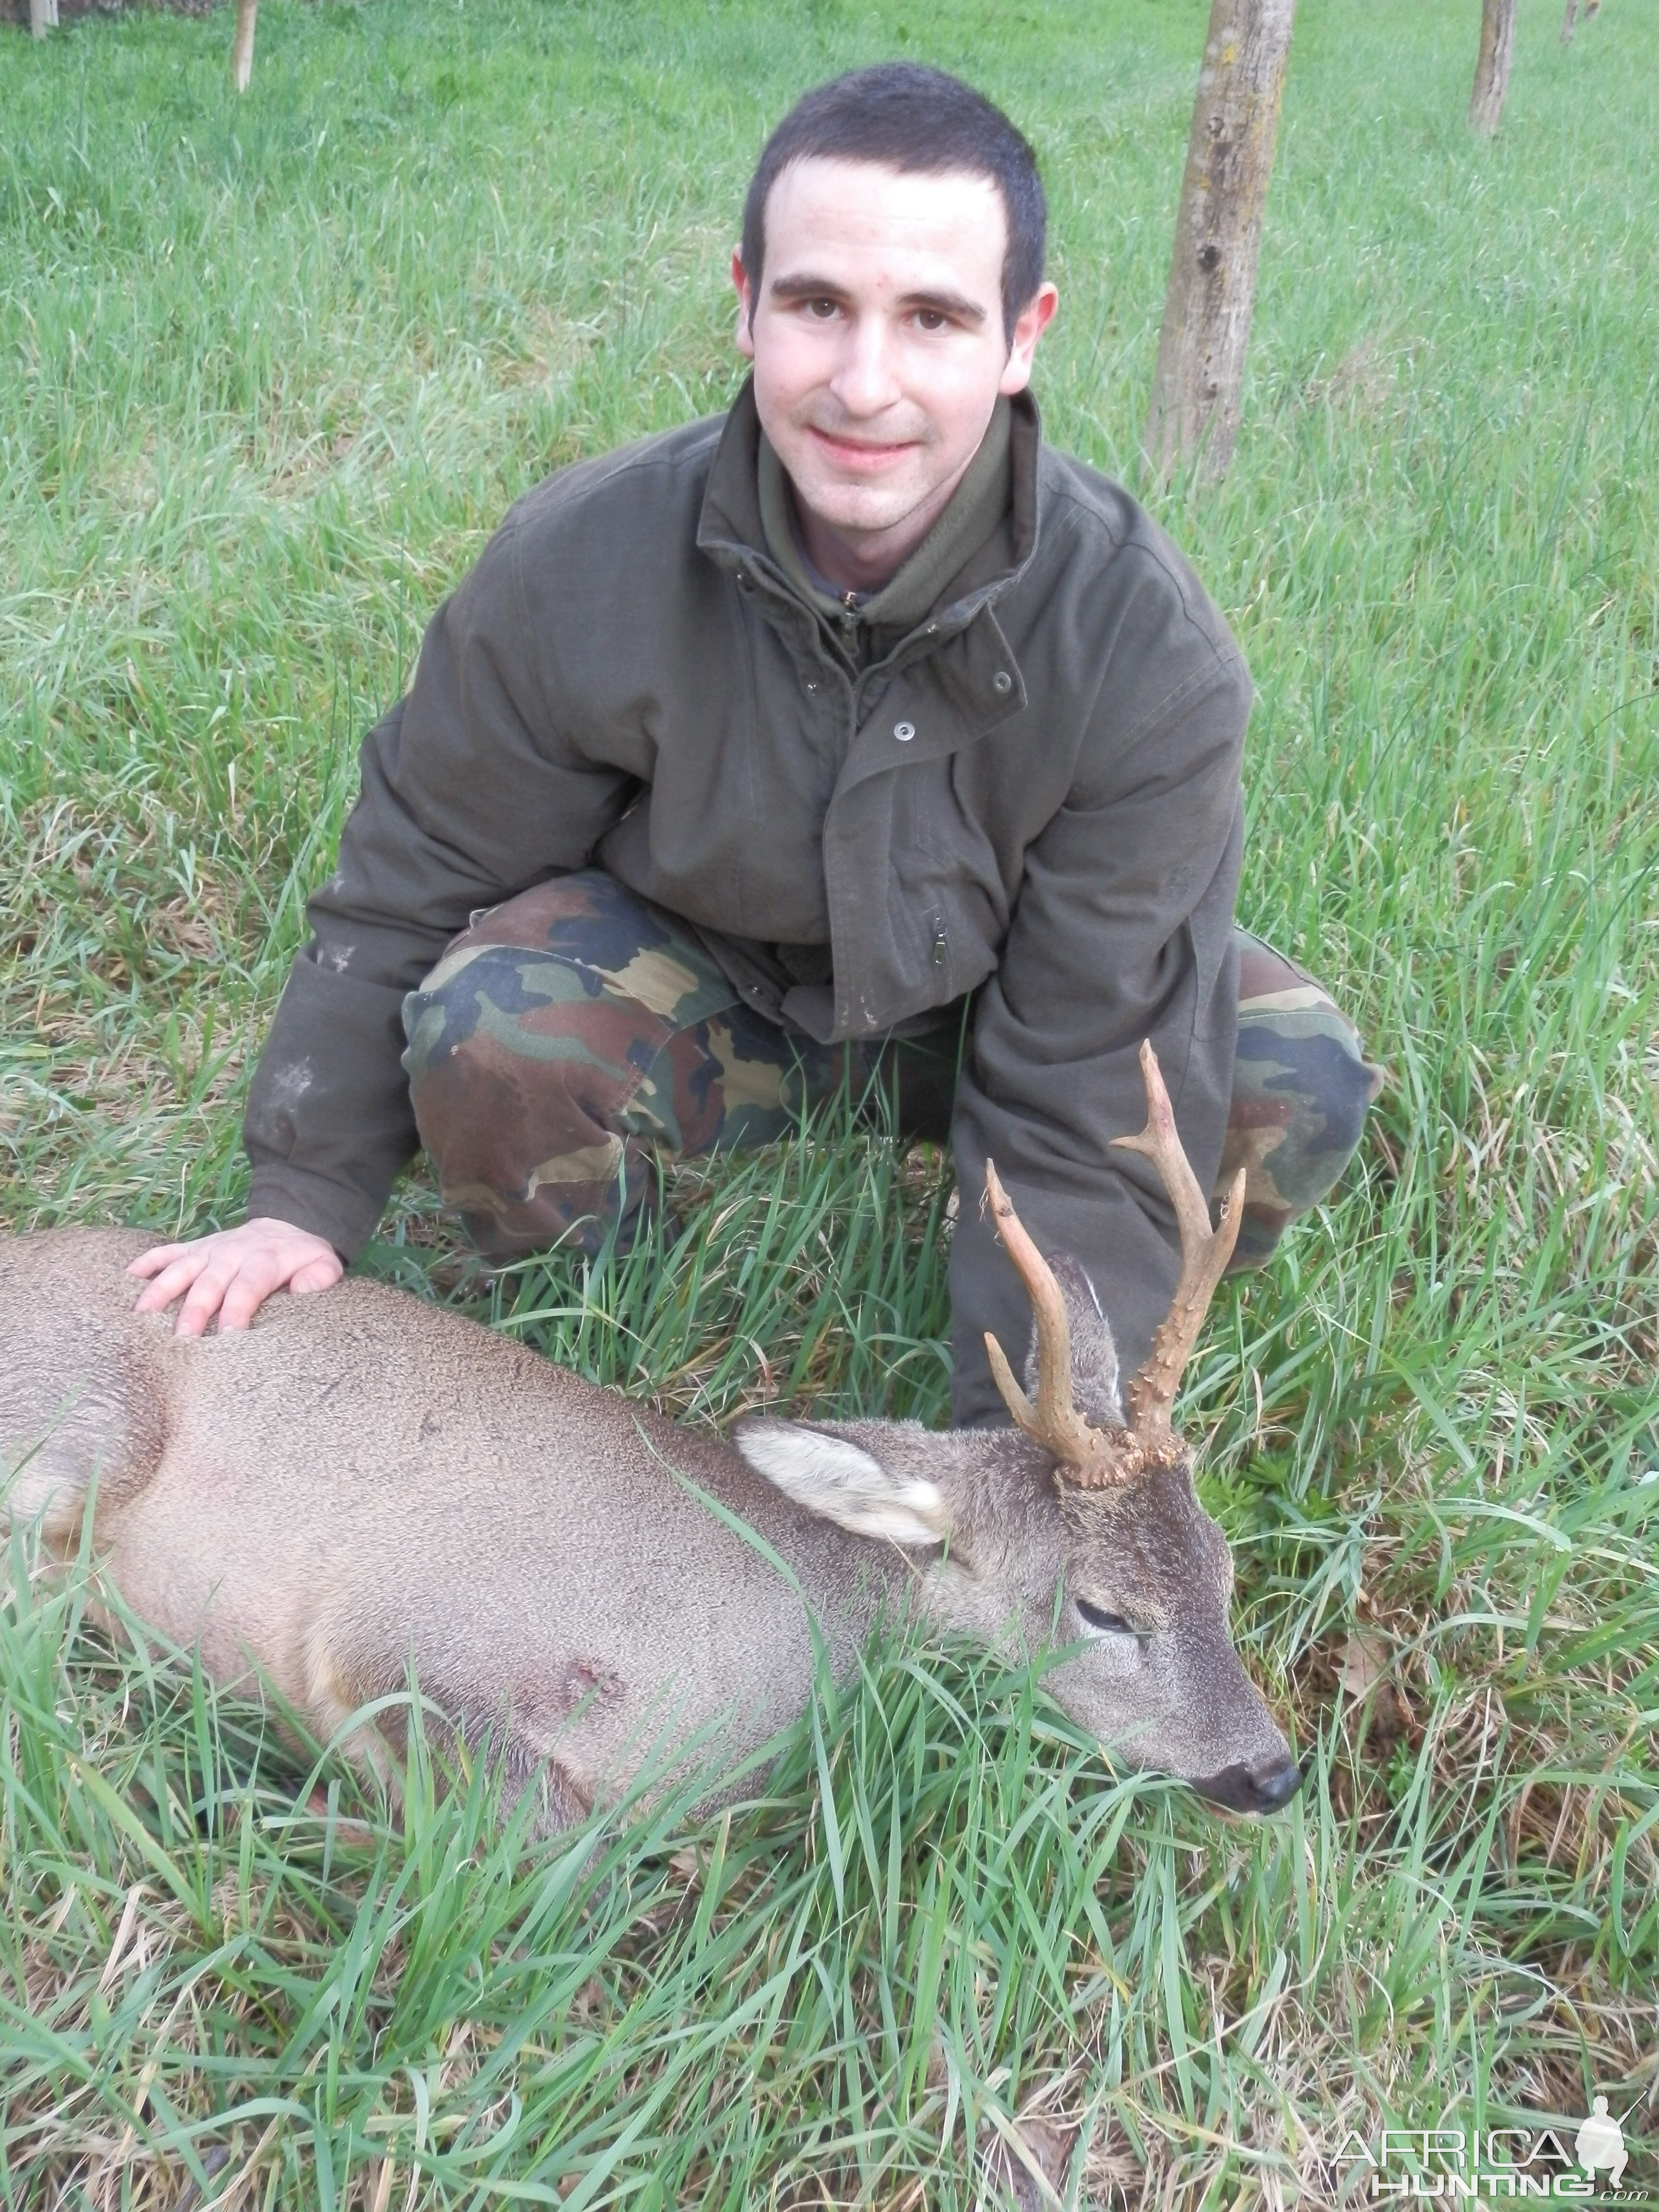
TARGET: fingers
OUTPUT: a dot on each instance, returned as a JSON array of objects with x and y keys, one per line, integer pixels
[
  {"x": 246, "y": 1292},
  {"x": 230, "y": 1275},
  {"x": 180, "y": 1265},
  {"x": 206, "y": 1296},
  {"x": 157, "y": 1257}
]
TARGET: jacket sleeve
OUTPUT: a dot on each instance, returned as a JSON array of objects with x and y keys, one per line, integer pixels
[
  {"x": 1121, "y": 931},
  {"x": 470, "y": 794}
]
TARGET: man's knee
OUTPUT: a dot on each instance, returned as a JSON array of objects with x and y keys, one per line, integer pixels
[
  {"x": 518, "y": 1099},
  {"x": 527, "y": 1044},
  {"x": 1301, "y": 1088},
  {"x": 567, "y": 1038}
]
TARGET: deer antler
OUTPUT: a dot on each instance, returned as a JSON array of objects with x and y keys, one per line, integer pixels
[
  {"x": 1092, "y": 1458},
  {"x": 1204, "y": 1255},
  {"x": 1087, "y": 1455}
]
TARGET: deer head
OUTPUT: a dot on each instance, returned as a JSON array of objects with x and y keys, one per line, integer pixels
[{"x": 1078, "y": 1527}]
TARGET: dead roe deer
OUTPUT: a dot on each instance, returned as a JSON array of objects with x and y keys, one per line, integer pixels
[{"x": 361, "y": 1488}]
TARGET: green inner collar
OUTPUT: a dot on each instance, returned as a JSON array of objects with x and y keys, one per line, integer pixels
[{"x": 979, "y": 503}]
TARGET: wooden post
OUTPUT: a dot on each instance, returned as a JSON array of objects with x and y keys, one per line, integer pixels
[
  {"x": 1206, "y": 310},
  {"x": 43, "y": 17},
  {"x": 1491, "y": 69},
  {"x": 242, "y": 52}
]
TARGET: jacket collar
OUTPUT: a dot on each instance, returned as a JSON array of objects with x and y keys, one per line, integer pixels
[
  {"x": 732, "y": 529},
  {"x": 980, "y": 501}
]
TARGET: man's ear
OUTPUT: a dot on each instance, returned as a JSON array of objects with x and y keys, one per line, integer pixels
[
  {"x": 842, "y": 1483},
  {"x": 1033, "y": 319},
  {"x": 745, "y": 339}
]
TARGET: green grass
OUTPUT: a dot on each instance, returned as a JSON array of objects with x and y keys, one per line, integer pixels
[{"x": 271, "y": 372}]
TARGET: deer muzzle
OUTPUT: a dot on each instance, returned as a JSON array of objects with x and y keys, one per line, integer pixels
[{"x": 1263, "y": 1787}]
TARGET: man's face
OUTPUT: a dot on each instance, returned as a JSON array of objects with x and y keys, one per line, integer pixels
[{"x": 878, "y": 346}]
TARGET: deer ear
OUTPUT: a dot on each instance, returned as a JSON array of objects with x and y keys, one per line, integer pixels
[
  {"x": 1094, "y": 1355},
  {"x": 844, "y": 1484}
]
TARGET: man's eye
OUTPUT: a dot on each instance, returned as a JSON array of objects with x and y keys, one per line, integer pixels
[
  {"x": 1103, "y": 1623},
  {"x": 821, "y": 310},
  {"x": 930, "y": 318}
]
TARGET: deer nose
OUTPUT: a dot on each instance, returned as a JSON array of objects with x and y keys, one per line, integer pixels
[{"x": 1260, "y": 1789}]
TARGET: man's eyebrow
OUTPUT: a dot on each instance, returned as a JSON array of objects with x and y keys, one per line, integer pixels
[
  {"x": 805, "y": 286},
  {"x": 955, "y": 304}
]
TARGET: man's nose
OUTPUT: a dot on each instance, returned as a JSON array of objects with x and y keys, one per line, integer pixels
[{"x": 865, "y": 382}]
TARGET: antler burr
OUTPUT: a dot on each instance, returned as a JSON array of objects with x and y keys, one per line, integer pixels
[{"x": 1093, "y": 1458}]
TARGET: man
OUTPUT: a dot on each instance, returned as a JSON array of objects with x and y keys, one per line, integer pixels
[{"x": 858, "y": 732}]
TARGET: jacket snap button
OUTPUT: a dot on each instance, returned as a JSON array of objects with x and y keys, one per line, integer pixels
[
  {"x": 1002, "y": 683},
  {"x": 904, "y": 732}
]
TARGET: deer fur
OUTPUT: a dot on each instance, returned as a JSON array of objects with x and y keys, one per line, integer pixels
[{"x": 362, "y": 1487}]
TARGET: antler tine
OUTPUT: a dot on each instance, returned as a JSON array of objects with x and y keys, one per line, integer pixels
[
  {"x": 1204, "y": 1255},
  {"x": 1086, "y": 1455}
]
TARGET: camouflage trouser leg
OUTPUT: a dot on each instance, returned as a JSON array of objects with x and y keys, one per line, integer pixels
[
  {"x": 1301, "y": 1086},
  {"x": 575, "y": 1032},
  {"x": 569, "y": 1036}
]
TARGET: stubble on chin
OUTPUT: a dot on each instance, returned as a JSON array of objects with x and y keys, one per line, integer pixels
[
  {"x": 856, "y": 508},
  {"x": 855, "y": 503}
]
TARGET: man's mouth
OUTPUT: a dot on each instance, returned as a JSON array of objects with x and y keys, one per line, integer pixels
[{"x": 861, "y": 456}]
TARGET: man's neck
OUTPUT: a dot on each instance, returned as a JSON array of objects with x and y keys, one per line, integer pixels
[
  {"x": 979, "y": 503},
  {"x": 865, "y": 560}
]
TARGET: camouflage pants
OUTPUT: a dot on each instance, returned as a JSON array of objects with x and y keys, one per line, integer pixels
[{"x": 571, "y": 1033}]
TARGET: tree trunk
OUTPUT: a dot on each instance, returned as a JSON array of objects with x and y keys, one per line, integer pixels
[
  {"x": 242, "y": 52},
  {"x": 1567, "y": 21},
  {"x": 1206, "y": 310},
  {"x": 43, "y": 16},
  {"x": 1492, "y": 71}
]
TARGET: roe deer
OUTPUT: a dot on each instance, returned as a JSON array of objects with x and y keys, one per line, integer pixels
[{"x": 361, "y": 1485}]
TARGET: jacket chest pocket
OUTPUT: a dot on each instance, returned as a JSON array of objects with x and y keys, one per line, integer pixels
[{"x": 950, "y": 911}]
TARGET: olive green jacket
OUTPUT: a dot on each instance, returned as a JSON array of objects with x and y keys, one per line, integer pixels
[{"x": 1030, "y": 794}]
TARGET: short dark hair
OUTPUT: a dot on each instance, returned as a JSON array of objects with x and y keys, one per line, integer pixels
[{"x": 903, "y": 116}]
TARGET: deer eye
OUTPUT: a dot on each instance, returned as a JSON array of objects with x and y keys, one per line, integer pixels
[{"x": 1102, "y": 1622}]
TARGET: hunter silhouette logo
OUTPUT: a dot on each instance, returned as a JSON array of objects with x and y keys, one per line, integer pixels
[
  {"x": 1601, "y": 2142},
  {"x": 1496, "y": 2163}
]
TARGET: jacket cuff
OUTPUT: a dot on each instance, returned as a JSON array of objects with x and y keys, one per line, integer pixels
[{"x": 345, "y": 1218}]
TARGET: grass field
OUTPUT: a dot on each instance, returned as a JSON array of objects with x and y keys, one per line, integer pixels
[{"x": 271, "y": 372}]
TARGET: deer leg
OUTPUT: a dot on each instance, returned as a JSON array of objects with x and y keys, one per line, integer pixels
[
  {"x": 335, "y": 1692},
  {"x": 44, "y": 1482},
  {"x": 339, "y": 1686},
  {"x": 94, "y": 1444},
  {"x": 562, "y": 1804}
]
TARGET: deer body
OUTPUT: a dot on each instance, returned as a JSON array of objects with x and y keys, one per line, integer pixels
[
  {"x": 362, "y": 1487},
  {"x": 360, "y": 1484}
]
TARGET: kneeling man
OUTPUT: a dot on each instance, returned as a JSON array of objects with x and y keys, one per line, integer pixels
[{"x": 856, "y": 733}]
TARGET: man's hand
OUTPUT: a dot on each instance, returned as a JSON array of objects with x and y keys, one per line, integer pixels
[{"x": 234, "y": 1272}]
